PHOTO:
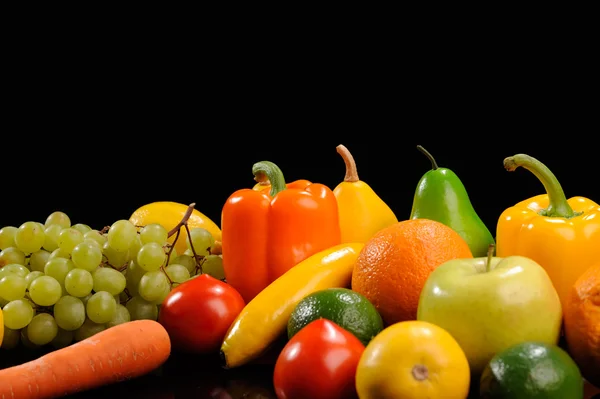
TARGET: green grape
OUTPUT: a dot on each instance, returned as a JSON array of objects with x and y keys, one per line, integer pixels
[
  {"x": 117, "y": 298},
  {"x": 213, "y": 266},
  {"x": 121, "y": 235},
  {"x": 151, "y": 256},
  {"x": 187, "y": 261},
  {"x": 45, "y": 291},
  {"x": 32, "y": 276},
  {"x": 153, "y": 285},
  {"x": 59, "y": 253},
  {"x": 91, "y": 242},
  {"x": 95, "y": 235},
  {"x": 109, "y": 280},
  {"x": 173, "y": 254},
  {"x": 38, "y": 259},
  {"x": 166, "y": 290},
  {"x": 79, "y": 282},
  {"x": 121, "y": 316},
  {"x": 12, "y": 287},
  {"x": 11, "y": 338},
  {"x": 63, "y": 339},
  {"x": 12, "y": 255},
  {"x": 7, "y": 237},
  {"x": 42, "y": 329},
  {"x": 59, "y": 218},
  {"x": 135, "y": 247},
  {"x": 101, "y": 307},
  {"x": 140, "y": 309},
  {"x": 154, "y": 232},
  {"x": 69, "y": 313},
  {"x": 87, "y": 256},
  {"x": 177, "y": 273},
  {"x": 83, "y": 228},
  {"x": 52, "y": 234},
  {"x": 14, "y": 268},
  {"x": 25, "y": 340},
  {"x": 69, "y": 238},
  {"x": 114, "y": 257},
  {"x": 29, "y": 237},
  {"x": 201, "y": 240},
  {"x": 3, "y": 302},
  {"x": 133, "y": 275},
  {"x": 58, "y": 268},
  {"x": 17, "y": 314},
  {"x": 88, "y": 329},
  {"x": 85, "y": 298}
]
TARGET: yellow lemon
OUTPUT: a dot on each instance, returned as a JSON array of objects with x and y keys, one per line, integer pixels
[
  {"x": 168, "y": 214},
  {"x": 410, "y": 360}
]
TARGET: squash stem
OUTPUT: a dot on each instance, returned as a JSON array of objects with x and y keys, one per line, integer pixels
[
  {"x": 558, "y": 205},
  {"x": 268, "y": 171},
  {"x": 351, "y": 171}
]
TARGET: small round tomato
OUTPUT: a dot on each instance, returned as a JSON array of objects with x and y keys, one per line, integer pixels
[
  {"x": 198, "y": 313},
  {"x": 318, "y": 362}
]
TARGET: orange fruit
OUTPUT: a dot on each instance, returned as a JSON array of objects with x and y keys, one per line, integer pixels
[
  {"x": 582, "y": 324},
  {"x": 392, "y": 267}
]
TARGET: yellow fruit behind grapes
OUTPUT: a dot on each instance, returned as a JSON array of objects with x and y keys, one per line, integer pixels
[{"x": 168, "y": 214}]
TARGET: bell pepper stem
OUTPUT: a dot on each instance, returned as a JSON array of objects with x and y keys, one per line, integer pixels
[
  {"x": 268, "y": 171},
  {"x": 558, "y": 205},
  {"x": 434, "y": 164},
  {"x": 351, "y": 171}
]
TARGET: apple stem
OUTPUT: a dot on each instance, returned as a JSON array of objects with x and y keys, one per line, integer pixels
[{"x": 490, "y": 254}]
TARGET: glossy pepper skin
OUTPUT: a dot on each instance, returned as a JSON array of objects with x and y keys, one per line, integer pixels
[
  {"x": 362, "y": 212},
  {"x": 562, "y": 235},
  {"x": 267, "y": 232}
]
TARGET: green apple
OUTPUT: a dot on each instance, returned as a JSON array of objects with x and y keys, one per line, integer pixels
[{"x": 490, "y": 303}]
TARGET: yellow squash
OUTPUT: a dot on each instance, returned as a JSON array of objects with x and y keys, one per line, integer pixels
[
  {"x": 264, "y": 319},
  {"x": 362, "y": 212},
  {"x": 168, "y": 214}
]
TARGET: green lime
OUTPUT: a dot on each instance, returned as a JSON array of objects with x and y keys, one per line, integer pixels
[
  {"x": 531, "y": 370},
  {"x": 347, "y": 308}
]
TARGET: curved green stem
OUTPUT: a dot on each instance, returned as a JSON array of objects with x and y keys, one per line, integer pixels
[
  {"x": 434, "y": 164},
  {"x": 266, "y": 170},
  {"x": 558, "y": 205}
]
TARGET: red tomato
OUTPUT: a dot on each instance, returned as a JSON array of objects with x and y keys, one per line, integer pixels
[
  {"x": 318, "y": 362},
  {"x": 198, "y": 313}
]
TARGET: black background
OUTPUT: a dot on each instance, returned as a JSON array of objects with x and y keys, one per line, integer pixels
[
  {"x": 99, "y": 165},
  {"x": 100, "y": 129}
]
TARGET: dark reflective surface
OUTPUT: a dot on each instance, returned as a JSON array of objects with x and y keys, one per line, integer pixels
[
  {"x": 182, "y": 376},
  {"x": 187, "y": 376}
]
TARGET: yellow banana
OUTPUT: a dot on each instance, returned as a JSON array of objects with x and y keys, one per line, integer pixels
[{"x": 264, "y": 319}]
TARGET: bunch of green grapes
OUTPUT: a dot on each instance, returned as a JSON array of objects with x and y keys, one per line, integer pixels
[{"x": 61, "y": 283}]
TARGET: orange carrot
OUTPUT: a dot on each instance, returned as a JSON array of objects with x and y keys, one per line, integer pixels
[{"x": 118, "y": 353}]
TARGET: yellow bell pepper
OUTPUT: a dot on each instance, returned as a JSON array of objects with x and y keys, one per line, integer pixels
[
  {"x": 264, "y": 319},
  {"x": 562, "y": 235},
  {"x": 361, "y": 211}
]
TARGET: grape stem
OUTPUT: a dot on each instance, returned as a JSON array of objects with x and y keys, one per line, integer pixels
[{"x": 184, "y": 220}]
